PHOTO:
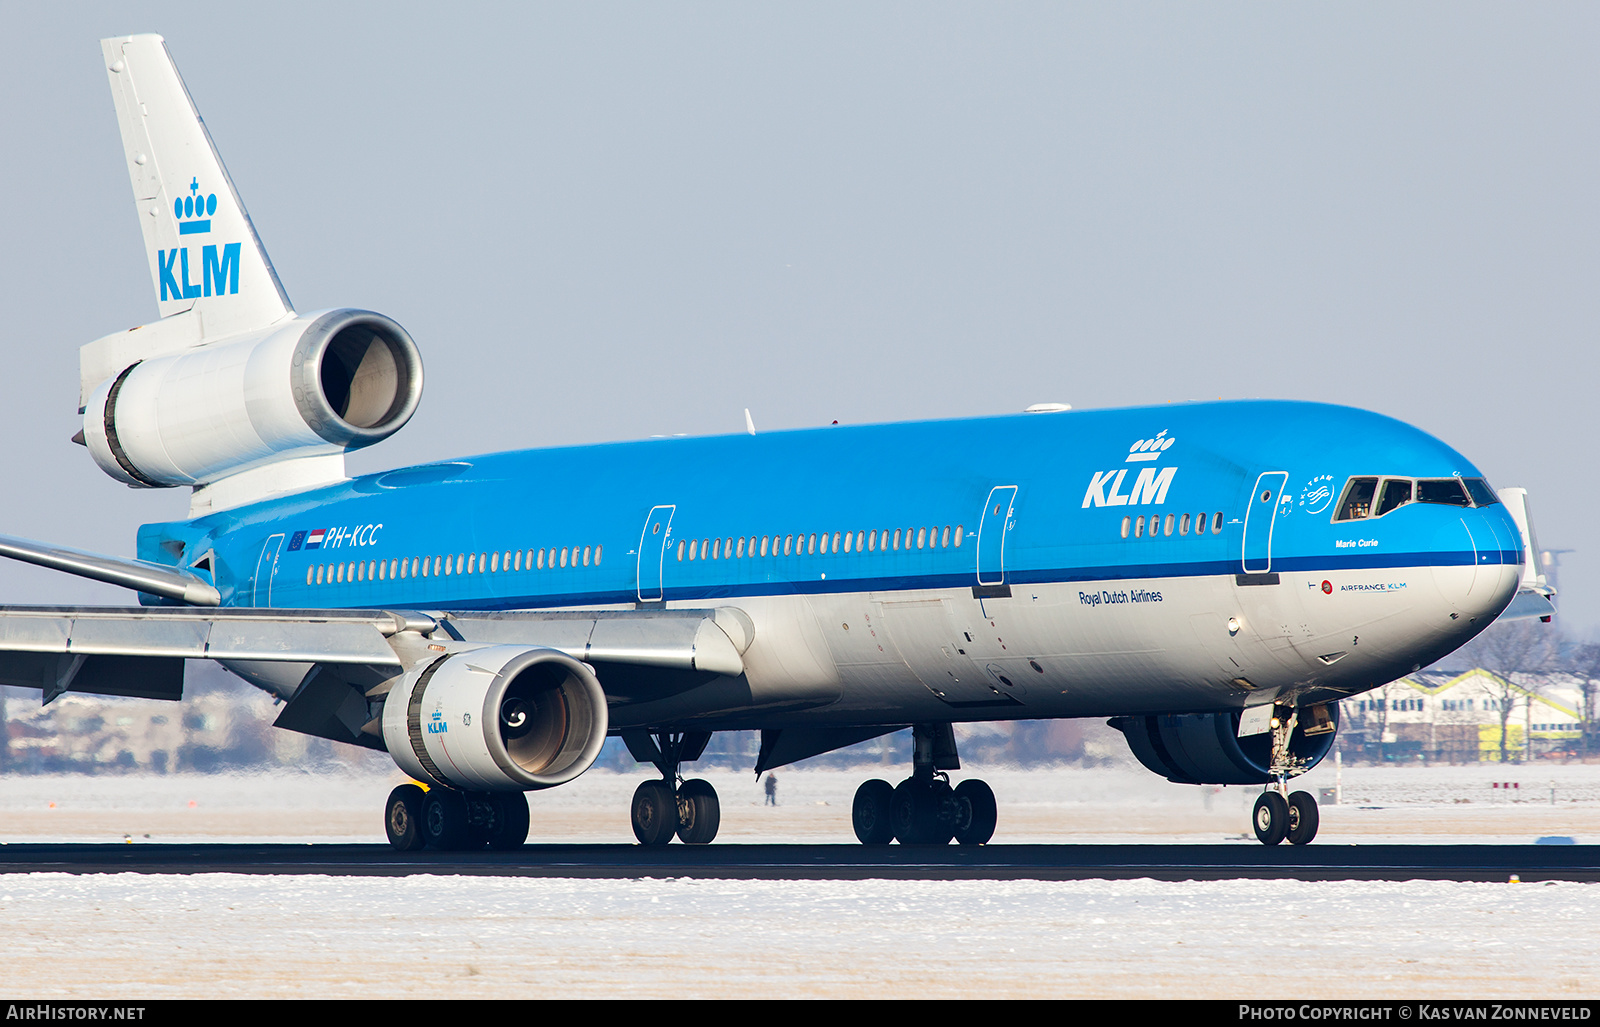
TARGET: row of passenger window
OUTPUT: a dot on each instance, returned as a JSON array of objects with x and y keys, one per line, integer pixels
[
  {"x": 1359, "y": 494},
  {"x": 838, "y": 542},
  {"x": 1136, "y": 525},
  {"x": 447, "y": 566}
]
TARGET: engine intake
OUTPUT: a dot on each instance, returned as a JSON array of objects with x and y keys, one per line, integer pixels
[
  {"x": 501, "y": 718},
  {"x": 1205, "y": 748},
  {"x": 319, "y": 384}
]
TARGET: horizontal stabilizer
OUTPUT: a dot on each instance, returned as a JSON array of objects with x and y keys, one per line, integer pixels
[{"x": 150, "y": 578}]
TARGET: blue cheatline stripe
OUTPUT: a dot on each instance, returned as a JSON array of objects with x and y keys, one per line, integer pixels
[
  {"x": 964, "y": 578},
  {"x": 194, "y": 227}
]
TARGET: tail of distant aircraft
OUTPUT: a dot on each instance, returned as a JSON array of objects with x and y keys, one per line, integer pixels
[
  {"x": 230, "y": 392},
  {"x": 1534, "y": 591}
]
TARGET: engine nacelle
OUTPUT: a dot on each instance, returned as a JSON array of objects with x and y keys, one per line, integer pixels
[
  {"x": 1205, "y": 748},
  {"x": 498, "y": 719},
  {"x": 319, "y": 384}
]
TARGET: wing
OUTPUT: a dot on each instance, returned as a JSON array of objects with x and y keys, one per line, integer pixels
[{"x": 335, "y": 666}]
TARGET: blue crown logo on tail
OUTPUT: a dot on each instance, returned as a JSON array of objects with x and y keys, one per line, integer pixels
[
  {"x": 194, "y": 211},
  {"x": 219, "y": 269}
]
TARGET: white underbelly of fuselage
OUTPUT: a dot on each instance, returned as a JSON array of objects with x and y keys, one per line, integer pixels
[{"x": 1098, "y": 648}]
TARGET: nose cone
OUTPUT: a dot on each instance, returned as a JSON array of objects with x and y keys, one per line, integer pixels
[{"x": 1479, "y": 564}]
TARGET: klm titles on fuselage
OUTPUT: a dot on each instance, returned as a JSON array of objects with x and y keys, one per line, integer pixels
[
  {"x": 1149, "y": 487},
  {"x": 219, "y": 274}
]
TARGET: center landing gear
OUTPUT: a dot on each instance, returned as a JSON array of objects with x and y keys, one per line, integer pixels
[
  {"x": 455, "y": 821},
  {"x": 664, "y": 808},
  {"x": 923, "y": 809}
]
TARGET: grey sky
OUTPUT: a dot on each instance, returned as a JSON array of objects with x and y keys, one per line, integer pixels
[{"x": 608, "y": 221}]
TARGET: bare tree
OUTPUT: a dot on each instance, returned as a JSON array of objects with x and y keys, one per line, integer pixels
[
  {"x": 1510, "y": 649},
  {"x": 1584, "y": 664}
]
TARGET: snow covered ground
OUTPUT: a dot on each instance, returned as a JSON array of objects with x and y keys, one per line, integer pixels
[
  {"x": 232, "y": 936},
  {"x": 431, "y": 936}
]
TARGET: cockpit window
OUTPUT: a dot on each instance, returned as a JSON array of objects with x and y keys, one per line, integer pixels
[
  {"x": 1396, "y": 492},
  {"x": 1374, "y": 497},
  {"x": 1481, "y": 493},
  {"x": 1445, "y": 491},
  {"x": 1357, "y": 501}
]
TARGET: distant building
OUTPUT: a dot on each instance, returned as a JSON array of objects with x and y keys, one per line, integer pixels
[
  {"x": 211, "y": 729},
  {"x": 1439, "y": 717}
]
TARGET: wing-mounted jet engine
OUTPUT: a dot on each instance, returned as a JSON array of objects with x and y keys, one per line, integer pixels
[
  {"x": 503, "y": 718},
  {"x": 1261, "y": 745},
  {"x": 482, "y": 727},
  {"x": 231, "y": 392}
]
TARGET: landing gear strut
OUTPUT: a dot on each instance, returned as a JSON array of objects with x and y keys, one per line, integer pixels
[
  {"x": 672, "y": 806},
  {"x": 455, "y": 821},
  {"x": 923, "y": 809},
  {"x": 1280, "y": 813}
]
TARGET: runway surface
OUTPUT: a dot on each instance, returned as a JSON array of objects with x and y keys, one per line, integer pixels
[{"x": 839, "y": 862}]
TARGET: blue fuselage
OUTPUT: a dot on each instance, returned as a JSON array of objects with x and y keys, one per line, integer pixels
[
  {"x": 1114, "y": 552},
  {"x": 1074, "y": 477}
]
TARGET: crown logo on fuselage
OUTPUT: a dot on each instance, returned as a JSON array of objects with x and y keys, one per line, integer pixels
[
  {"x": 1149, "y": 449},
  {"x": 194, "y": 211},
  {"x": 1149, "y": 487}
]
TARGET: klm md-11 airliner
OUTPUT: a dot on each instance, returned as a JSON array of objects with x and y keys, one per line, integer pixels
[{"x": 1212, "y": 577}]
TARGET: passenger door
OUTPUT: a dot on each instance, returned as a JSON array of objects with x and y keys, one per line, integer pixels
[
  {"x": 266, "y": 567},
  {"x": 653, "y": 542},
  {"x": 993, "y": 528},
  {"x": 1259, "y": 518}
]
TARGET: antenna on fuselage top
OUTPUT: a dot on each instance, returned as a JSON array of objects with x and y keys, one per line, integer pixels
[{"x": 749, "y": 425}]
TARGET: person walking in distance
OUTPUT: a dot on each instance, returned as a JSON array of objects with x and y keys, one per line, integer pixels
[{"x": 772, "y": 789}]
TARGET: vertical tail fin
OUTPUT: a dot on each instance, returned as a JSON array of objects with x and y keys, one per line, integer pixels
[{"x": 204, "y": 253}]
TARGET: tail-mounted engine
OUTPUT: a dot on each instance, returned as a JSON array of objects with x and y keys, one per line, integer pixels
[
  {"x": 319, "y": 384},
  {"x": 1206, "y": 748},
  {"x": 502, "y": 718}
]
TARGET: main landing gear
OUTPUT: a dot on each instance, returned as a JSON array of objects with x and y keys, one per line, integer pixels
[
  {"x": 923, "y": 809},
  {"x": 455, "y": 821},
  {"x": 1280, "y": 813},
  {"x": 671, "y": 806}
]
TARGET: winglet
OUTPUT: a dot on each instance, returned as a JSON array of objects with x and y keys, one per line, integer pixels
[{"x": 203, "y": 250}]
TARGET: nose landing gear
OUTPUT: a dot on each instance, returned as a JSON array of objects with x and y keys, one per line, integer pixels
[
  {"x": 1277, "y": 817},
  {"x": 1280, "y": 813}
]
